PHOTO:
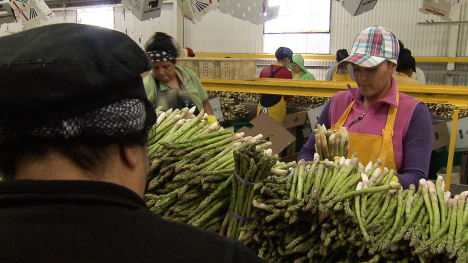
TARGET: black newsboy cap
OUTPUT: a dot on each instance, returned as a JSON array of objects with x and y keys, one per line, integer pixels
[{"x": 55, "y": 72}]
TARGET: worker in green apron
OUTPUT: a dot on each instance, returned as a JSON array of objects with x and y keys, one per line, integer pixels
[{"x": 169, "y": 85}]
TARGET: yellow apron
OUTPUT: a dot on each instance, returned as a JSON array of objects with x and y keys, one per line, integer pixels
[
  {"x": 371, "y": 147},
  {"x": 277, "y": 111},
  {"x": 340, "y": 78}
]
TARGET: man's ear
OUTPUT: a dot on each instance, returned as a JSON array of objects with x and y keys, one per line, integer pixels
[{"x": 130, "y": 155}]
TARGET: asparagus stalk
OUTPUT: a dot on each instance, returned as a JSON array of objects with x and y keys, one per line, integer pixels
[
  {"x": 358, "y": 212},
  {"x": 453, "y": 225},
  {"x": 425, "y": 194},
  {"x": 435, "y": 206},
  {"x": 300, "y": 180}
]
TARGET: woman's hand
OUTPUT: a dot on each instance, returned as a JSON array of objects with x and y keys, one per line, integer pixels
[{"x": 207, "y": 107}]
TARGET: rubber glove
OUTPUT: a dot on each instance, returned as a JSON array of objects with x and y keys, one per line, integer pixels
[{"x": 211, "y": 119}]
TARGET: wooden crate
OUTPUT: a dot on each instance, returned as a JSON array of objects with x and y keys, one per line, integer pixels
[{"x": 221, "y": 68}]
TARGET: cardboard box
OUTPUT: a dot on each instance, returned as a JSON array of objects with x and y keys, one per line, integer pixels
[
  {"x": 357, "y": 7},
  {"x": 6, "y": 13},
  {"x": 294, "y": 120},
  {"x": 442, "y": 8},
  {"x": 254, "y": 11},
  {"x": 267, "y": 126},
  {"x": 31, "y": 12},
  {"x": 306, "y": 133},
  {"x": 441, "y": 136},
  {"x": 194, "y": 10},
  {"x": 217, "y": 110},
  {"x": 314, "y": 115},
  {"x": 462, "y": 133},
  {"x": 144, "y": 9}
]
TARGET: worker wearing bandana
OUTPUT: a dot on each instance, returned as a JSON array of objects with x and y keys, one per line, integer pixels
[{"x": 169, "y": 85}]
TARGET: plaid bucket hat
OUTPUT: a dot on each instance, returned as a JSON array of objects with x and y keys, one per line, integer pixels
[{"x": 373, "y": 46}]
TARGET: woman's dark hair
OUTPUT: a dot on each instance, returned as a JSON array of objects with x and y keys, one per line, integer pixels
[
  {"x": 341, "y": 54},
  {"x": 162, "y": 41},
  {"x": 90, "y": 154}
]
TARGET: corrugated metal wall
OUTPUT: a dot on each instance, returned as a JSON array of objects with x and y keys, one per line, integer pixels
[
  {"x": 401, "y": 16},
  {"x": 461, "y": 79},
  {"x": 68, "y": 16},
  {"x": 141, "y": 31},
  {"x": 463, "y": 35},
  {"x": 221, "y": 33}
]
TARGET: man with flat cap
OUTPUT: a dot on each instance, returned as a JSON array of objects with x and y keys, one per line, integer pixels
[{"x": 74, "y": 119}]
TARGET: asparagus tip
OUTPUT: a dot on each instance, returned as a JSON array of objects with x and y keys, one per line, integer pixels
[{"x": 192, "y": 110}]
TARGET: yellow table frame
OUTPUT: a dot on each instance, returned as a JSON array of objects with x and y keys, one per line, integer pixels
[{"x": 454, "y": 95}]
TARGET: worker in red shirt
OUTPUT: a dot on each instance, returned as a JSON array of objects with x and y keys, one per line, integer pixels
[{"x": 275, "y": 105}]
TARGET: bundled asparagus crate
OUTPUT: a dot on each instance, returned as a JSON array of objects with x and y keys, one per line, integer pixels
[
  {"x": 221, "y": 68},
  {"x": 192, "y": 168},
  {"x": 318, "y": 211},
  {"x": 251, "y": 166},
  {"x": 307, "y": 102},
  {"x": 445, "y": 110},
  {"x": 341, "y": 211},
  {"x": 330, "y": 143}
]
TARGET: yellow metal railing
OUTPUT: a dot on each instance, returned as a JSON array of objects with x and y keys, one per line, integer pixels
[
  {"x": 330, "y": 57},
  {"x": 455, "y": 95}
]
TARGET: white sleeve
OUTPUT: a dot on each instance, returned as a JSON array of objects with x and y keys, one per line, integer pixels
[{"x": 419, "y": 76}]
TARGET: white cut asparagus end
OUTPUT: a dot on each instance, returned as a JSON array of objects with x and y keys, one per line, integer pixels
[
  {"x": 160, "y": 118},
  {"x": 258, "y": 136},
  {"x": 359, "y": 186},
  {"x": 192, "y": 110},
  {"x": 365, "y": 180},
  {"x": 316, "y": 156}
]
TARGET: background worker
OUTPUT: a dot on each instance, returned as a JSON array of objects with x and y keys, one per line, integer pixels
[
  {"x": 405, "y": 68},
  {"x": 169, "y": 85},
  {"x": 299, "y": 70},
  {"x": 190, "y": 52},
  {"x": 418, "y": 74},
  {"x": 382, "y": 122},
  {"x": 340, "y": 72},
  {"x": 270, "y": 104},
  {"x": 73, "y": 151}
]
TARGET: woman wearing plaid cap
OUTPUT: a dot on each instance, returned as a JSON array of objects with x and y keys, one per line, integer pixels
[{"x": 382, "y": 122}]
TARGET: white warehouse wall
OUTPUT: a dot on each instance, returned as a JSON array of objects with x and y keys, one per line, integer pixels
[
  {"x": 141, "y": 31},
  {"x": 222, "y": 33},
  {"x": 401, "y": 16},
  {"x": 68, "y": 16}
]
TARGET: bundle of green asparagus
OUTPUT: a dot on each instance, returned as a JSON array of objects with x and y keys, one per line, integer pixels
[
  {"x": 251, "y": 166},
  {"x": 307, "y": 101},
  {"x": 445, "y": 110},
  {"x": 330, "y": 143},
  {"x": 231, "y": 111},
  {"x": 241, "y": 96},
  {"x": 191, "y": 168},
  {"x": 341, "y": 211}
]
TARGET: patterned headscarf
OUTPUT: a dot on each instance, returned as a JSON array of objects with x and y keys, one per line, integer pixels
[{"x": 161, "y": 55}]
